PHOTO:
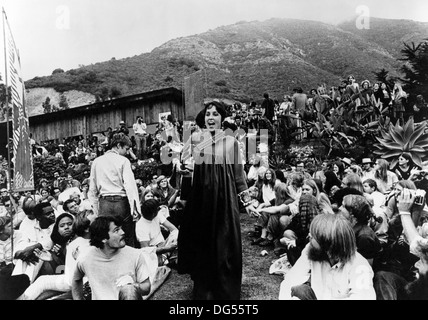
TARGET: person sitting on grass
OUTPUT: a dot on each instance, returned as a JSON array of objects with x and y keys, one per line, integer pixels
[
  {"x": 269, "y": 217},
  {"x": 149, "y": 234},
  {"x": 329, "y": 268},
  {"x": 127, "y": 273}
]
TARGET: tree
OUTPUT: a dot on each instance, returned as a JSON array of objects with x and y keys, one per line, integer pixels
[
  {"x": 416, "y": 68},
  {"x": 104, "y": 93},
  {"x": 47, "y": 108},
  {"x": 58, "y": 70},
  {"x": 115, "y": 92},
  {"x": 383, "y": 76},
  {"x": 63, "y": 103}
]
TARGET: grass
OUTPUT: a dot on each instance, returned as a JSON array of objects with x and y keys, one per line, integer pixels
[{"x": 257, "y": 283}]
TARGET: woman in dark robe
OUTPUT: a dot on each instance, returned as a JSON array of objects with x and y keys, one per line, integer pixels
[{"x": 209, "y": 242}]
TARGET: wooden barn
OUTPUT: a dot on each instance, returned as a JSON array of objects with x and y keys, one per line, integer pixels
[{"x": 97, "y": 117}]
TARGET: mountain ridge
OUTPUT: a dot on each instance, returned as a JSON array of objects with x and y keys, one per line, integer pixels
[{"x": 243, "y": 60}]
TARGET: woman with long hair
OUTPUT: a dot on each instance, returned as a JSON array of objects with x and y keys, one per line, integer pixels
[
  {"x": 268, "y": 192},
  {"x": 271, "y": 219},
  {"x": 312, "y": 186},
  {"x": 385, "y": 179},
  {"x": 399, "y": 98},
  {"x": 358, "y": 211},
  {"x": 295, "y": 235},
  {"x": 332, "y": 182},
  {"x": 404, "y": 167}
]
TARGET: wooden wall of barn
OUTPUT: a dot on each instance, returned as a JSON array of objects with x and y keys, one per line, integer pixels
[{"x": 84, "y": 122}]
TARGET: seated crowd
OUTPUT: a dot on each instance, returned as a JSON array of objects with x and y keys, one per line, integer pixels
[{"x": 361, "y": 222}]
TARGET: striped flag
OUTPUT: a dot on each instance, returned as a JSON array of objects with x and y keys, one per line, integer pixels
[{"x": 23, "y": 178}]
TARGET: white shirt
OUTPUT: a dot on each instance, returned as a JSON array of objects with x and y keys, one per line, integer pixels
[
  {"x": 74, "y": 249},
  {"x": 147, "y": 230},
  {"x": 354, "y": 281},
  {"x": 36, "y": 235},
  {"x": 268, "y": 193},
  {"x": 6, "y": 247},
  {"x": 139, "y": 128},
  {"x": 111, "y": 174}
]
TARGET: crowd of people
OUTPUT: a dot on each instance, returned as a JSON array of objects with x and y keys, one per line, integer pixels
[{"x": 350, "y": 230}]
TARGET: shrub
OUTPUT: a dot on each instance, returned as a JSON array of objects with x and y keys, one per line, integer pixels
[{"x": 44, "y": 167}]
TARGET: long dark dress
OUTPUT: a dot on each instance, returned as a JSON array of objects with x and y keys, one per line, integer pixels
[{"x": 209, "y": 241}]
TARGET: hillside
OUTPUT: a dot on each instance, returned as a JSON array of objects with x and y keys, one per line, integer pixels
[{"x": 244, "y": 60}]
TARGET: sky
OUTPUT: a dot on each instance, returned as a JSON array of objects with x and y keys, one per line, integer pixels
[{"x": 66, "y": 34}]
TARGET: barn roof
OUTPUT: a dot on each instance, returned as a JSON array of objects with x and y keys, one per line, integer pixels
[{"x": 155, "y": 95}]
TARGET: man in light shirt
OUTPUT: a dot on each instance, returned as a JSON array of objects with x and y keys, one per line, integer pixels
[
  {"x": 330, "y": 268},
  {"x": 140, "y": 137},
  {"x": 112, "y": 187}
]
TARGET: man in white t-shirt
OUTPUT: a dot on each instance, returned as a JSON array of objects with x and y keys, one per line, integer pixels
[{"x": 114, "y": 270}]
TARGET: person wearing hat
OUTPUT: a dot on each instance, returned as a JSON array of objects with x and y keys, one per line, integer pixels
[
  {"x": 368, "y": 171},
  {"x": 165, "y": 192},
  {"x": 122, "y": 128},
  {"x": 347, "y": 162}
]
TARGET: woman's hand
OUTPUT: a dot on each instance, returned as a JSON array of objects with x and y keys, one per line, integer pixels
[{"x": 56, "y": 249}]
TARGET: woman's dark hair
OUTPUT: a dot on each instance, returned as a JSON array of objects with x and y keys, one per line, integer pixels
[
  {"x": 280, "y": 176},
  {"x": 331, "y": 180},
  {"x": 99, "y": 230},
  {"x": 220, "y": 109},
  {"x": 200, "y": 119},
  {"x": 272, "y": 181},
  {"x": 408, "y": 157},
  {"x": 55, "y": 236},
  {"x": 150, "y": 208}
]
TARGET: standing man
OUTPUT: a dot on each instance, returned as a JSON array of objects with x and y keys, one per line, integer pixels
[
  {"x": 268, "y": 108},
  {"x": 115, "y": 271},
  {"x": 140, "y": 137},
  {"x": 112, "y": 187},
  {"x": 300, "y": 104}
]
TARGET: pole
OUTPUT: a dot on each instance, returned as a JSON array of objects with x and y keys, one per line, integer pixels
[{"x": 9, "y": 183}]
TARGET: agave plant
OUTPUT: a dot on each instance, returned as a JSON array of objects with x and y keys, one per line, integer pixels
[{"x": 410, "y": 138}]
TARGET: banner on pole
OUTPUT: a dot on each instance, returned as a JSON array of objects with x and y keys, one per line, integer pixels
[{"x": 23, "y": 178}]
